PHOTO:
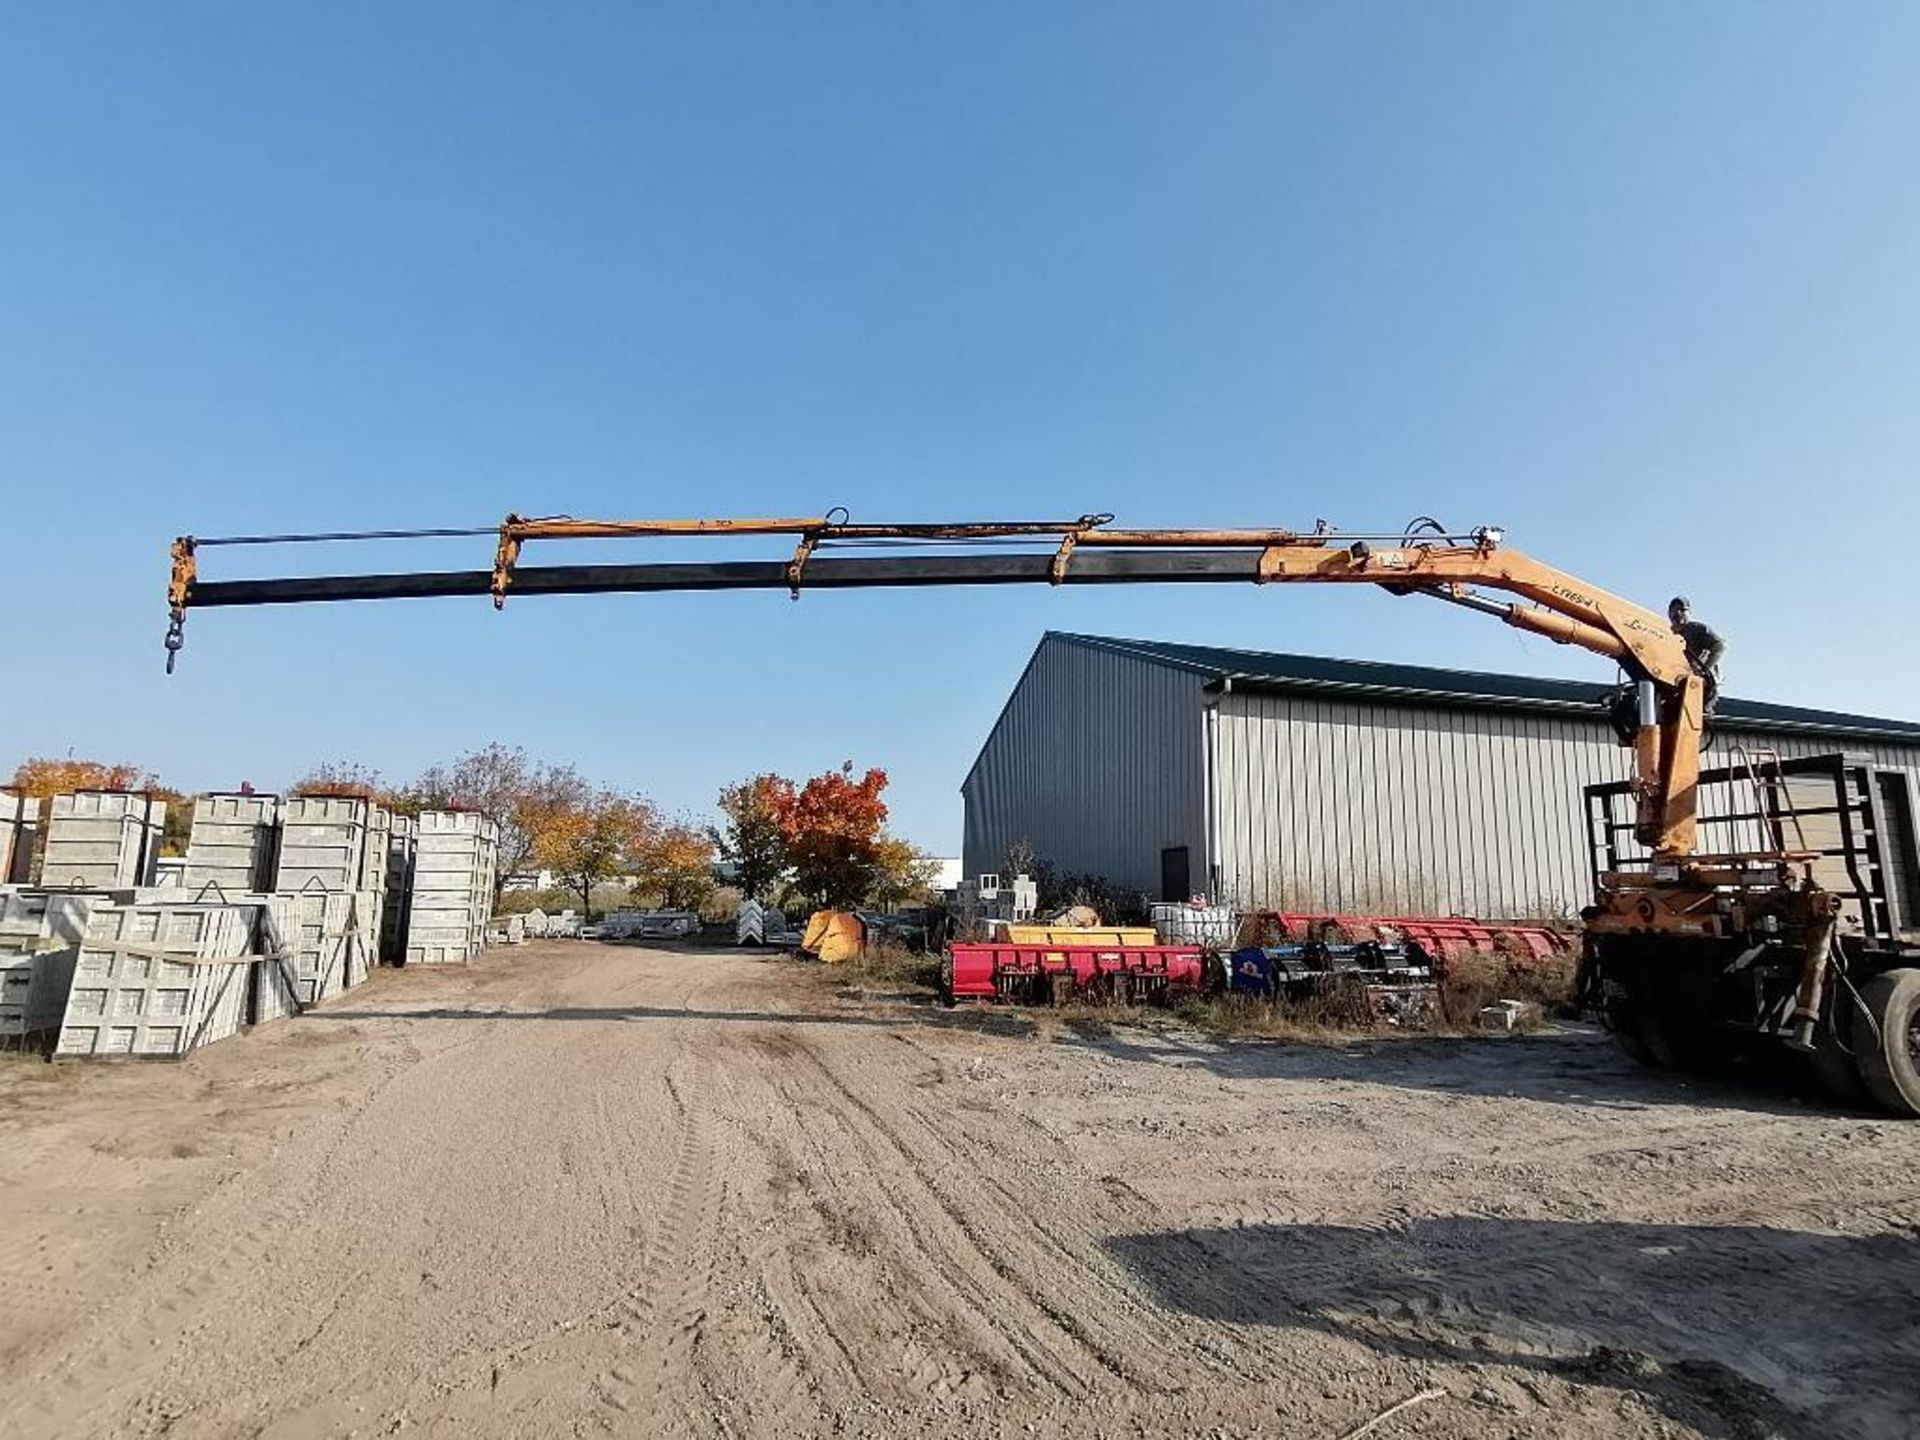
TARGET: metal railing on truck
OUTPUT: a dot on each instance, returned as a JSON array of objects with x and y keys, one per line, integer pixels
[{"x": 1846, "y": 822}]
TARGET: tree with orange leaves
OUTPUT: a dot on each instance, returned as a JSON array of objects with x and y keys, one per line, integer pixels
[
  {"x": 676, "y": 866},
  {"x": 593, "y": 842},
  {"x": 831, "y": 827},
  {"x": 44, "y": 778}
]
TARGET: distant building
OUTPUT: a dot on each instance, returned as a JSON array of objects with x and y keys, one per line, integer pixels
[
  {"x": 1293, "y": 781},
  {"x": 529, "y": 880}
]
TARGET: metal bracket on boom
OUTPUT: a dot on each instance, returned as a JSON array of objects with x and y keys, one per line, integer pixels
[
  {"x": 186, "y": 567},
  {"x": 504, "y": 558}
]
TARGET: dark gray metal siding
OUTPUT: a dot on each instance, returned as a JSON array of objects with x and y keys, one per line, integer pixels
[{"x": 1097, "y": 761}]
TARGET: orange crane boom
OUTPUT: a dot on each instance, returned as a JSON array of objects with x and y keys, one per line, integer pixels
[{"x": 1423, "y": 560}]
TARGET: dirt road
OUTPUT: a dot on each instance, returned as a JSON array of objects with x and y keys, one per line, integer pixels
[{"x": 589, "y": 1190}]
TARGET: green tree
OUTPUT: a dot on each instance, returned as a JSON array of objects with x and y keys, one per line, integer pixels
[{"x": 751, "y": 836}]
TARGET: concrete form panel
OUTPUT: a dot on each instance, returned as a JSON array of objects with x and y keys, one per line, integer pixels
[
  {"x": 323, "y": 842},
  {"x": 19, "y": 825},
  {"x": 40, "y": 935},
  {"x": 101, "y": 839},
  {"x": 158, "y": 980},
  {"x": 399, "y": 886},
  {"x": 331, "y": 938},
  {"x": 451, "y": 895},
  {"x": 233, "y": 845}
]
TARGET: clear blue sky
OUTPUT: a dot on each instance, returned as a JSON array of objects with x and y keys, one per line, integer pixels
[{"x": 1637, "y": 281}]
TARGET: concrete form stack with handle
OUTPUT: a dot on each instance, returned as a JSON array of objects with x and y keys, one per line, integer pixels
[{"x": 280, "y": 905}]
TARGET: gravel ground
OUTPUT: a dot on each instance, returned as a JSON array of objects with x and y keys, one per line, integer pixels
[{"x": 580, "y": 1190}]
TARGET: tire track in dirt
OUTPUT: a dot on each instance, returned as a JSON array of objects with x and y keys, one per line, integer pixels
[
  {"x": 1011, "y": 1243},
  {"x": 169, "y": 1299}
]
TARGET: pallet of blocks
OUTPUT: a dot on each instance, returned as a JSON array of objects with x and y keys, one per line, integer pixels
[{"x": 452, "y": 892}]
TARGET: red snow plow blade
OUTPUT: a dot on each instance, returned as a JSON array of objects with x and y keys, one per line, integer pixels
[
  {"x": 1445, "y": 939},
  {"x": 1056, "y": 973}
]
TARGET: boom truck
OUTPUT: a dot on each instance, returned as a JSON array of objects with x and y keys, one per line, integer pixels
[{"x": 1686, "y": 953}]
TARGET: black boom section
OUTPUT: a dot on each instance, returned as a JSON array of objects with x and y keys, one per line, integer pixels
[{"x": 821, "y": 573}]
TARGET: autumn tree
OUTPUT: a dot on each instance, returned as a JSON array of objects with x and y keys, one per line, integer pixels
[
  {"x": 676, "y": 866},
  {"x": 751, "y": 836},
  {"x": 44, "y": 777},
  {"x": 830, "y": 827},
  {"x": 342, "y": 779},
  {"x": 523, "y": 797},
  {"x": 598, "y": 839},
  {"x": 903, "y": 873}
]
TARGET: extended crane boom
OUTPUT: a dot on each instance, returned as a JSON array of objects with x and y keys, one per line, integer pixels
[
  {"x": 1684, "y": 954},
  {"x": 1425, "y": 559}
]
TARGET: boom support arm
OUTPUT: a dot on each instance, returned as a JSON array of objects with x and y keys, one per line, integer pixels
[{"x": 1450, "y": 567}]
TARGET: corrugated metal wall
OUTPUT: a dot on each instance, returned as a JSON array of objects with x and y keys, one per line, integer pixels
[
  {"x": 1351, "y": 806},
  {"x": 1097, "y": 761}
]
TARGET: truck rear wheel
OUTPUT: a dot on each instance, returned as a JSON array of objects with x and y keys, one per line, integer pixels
[
  {"x": 1886, "y": 1039},
  {"x": 1623, "y": 1020},
  {"x": 1684, "y": 1045},
  {"x": 1837, "y": 1072}
]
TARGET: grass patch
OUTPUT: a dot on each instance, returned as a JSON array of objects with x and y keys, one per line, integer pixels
[
  {"x": 1471, "y": 983},
  {"x": 883, "y": 966}
]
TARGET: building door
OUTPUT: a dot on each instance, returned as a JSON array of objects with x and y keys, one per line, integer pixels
[{"x": 1176, "y": 884}]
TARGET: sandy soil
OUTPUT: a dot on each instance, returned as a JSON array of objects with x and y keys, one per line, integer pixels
[{"x": 589, "y": 1190}]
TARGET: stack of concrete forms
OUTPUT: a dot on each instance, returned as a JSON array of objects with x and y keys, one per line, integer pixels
[
  {"x": 323, "y": 842},
  {"x": 331, "y": 935},
  {"x": 232, "y": 848},
  {"x": 452, "y": 897},
  {"x": 374, "y": 862},
  {"x": 102, "y": 840},
  {"x": 158, "y": 979},
  {"x": 40, "y": 935},
  {"x": 19, "y": 824},
  {"x": 276, "y": 979},
  {"x": 334, "y": 925},
  {"x": 393, "y": 915}
]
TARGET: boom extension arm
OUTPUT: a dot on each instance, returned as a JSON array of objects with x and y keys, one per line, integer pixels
[{"x": 1450, "y": 567}]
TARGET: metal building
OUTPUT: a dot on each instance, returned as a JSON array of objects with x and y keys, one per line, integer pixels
[{"x": 1292, "y": 781}]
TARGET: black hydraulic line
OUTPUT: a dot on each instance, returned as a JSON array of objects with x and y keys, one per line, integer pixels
[{"x": 821, "y": 573}]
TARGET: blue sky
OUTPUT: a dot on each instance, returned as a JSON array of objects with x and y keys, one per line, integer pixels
[{"x": 1636, "y": 281}]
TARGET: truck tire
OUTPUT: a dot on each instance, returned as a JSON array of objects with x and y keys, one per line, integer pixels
[
  {"x": 1886, "y": 1039},
  {"x": 1684, "y": 1045},
  {"x": 1836, "y": 1071},
  {"x": 1624, "y": 1021}
]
